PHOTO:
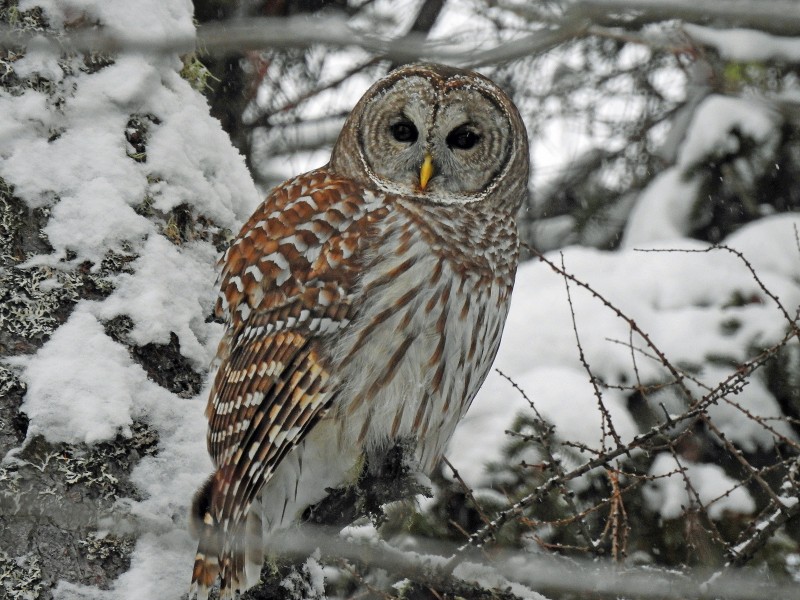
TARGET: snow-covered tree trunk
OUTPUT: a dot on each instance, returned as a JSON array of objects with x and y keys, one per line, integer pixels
[{"x": 116, "y": 190}]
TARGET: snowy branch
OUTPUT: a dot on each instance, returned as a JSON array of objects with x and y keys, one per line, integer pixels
[
  {"x": 555, "y": 574},
  {"x": 295, "y": 32},
  {"x": 780, "y": 17},
  {"x": 697, "y": 409},
  {"x": 299, "y": 32}
]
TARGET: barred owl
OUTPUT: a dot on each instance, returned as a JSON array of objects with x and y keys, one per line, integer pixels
[{"x": 364, "y": 304}]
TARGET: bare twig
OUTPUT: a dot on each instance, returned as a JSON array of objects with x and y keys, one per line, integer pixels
[
  {"x": 467, "y": 491},
  {"x": 631, "y": 323},
  {"x": 546, "y": 442},
  {"x": 742, "y": 553},
  {"x": 697, "y": 409},
  {"x": 605, "y": 416}
]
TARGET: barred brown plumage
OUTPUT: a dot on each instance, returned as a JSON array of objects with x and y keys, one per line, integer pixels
[{"x": 364, "y": 304}]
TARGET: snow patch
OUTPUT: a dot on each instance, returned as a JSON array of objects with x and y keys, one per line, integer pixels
[
  {"x": 669, "y": 497},
  {"x": 170, "y": 291},
  {"x": 663, "y": 209},
  {"x": 114, "y": 225},
  {"x": 746, "y": 45},
  {"x": 711, "y": 132},
  {"x": 82, "y": 386}
]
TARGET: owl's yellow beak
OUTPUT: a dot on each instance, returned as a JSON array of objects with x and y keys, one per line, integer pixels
[{"x": 426, "y": 171}]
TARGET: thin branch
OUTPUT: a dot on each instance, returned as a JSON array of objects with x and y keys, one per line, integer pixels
[
  {"x": 605, "y": 416},
  {"x": 467, "y": 491},
  {"x": 516, "y": 510},
  {"x": 781, "y": 17},
  {"x": 792, "y": 321},
  {"x": 763, "y": 532},
  {"x": 292, "y": 32},
  {"x": 776, "y": 16},
  {"x": 748, "y": 468},
  {"x": 264, "y": 119},
  {"x": 679, "y": 379},
  {"x": 534, "y": 571},
  {"x": 546, "y": 442},
  {"x": 697, "y": 502}
]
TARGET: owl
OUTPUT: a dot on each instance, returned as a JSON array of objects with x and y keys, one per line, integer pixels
[{"x": 364, "y": 303}]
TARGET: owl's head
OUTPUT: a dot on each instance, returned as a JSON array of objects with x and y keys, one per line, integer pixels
[{"x": 438, "y": 134}]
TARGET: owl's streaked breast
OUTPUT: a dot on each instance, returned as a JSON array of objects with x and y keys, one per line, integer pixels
[
  {"x": 426, "y": 331},
  {"x": 418, "y": 344}
]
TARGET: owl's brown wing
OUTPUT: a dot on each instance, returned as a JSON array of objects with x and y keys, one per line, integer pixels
[
  {"x": 286, "y": 283},
  {"x": 268, "y": 393}
]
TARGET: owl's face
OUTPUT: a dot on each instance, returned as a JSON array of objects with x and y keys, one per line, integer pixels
[{"x": 434, "y": 133}]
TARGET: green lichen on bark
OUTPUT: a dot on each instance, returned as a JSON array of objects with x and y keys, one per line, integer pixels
[
  {"x": 20, "y": 577},
  {"x": 55, "y": 497}
]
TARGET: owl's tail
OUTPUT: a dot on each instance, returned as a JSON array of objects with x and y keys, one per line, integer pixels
[
  {"x": 218, "y": 554},
  {"x": 206, "y": 565},
  {"x": 216, "y": 558}
]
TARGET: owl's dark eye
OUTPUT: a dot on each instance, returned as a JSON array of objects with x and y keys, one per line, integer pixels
[
  {"x": 404, "y": 131},
  {"x": 462, "y": 138}
]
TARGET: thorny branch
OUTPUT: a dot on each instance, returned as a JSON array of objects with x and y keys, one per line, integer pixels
[
  {"x": 546, "y": 440},
  {"x": 695, "y": 413},
  {"x": 606, "y": 420}
]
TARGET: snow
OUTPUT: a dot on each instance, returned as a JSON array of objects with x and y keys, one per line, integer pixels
[
  {"x": 87, "y": 150},
  {"x": 190, "y": 160},
  {"x": 480, "y": 437},
  {"x": 163, "y": 557},
  {"x": 711, "y": 132},
  {"x": 667, "y": 495},
  {"x": 729, "y": 414},
  {"x": 84, "y": 387},
  {"x": 773, "y": 247},
  {"x": 167, "y": 292},
  {"x": 664, "y": 208},
  {"x": 316, "y": 575},
  {"x": 115, "y": 226},
  {"x": 39, "y": 61},
  {"x": 193, "y": 158},
  {"x": 141, "y": 19},
  {"x": 746, "y": 45},
  {"x": 580, "y": 419},
  {"x": 81, "y": 384}
]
